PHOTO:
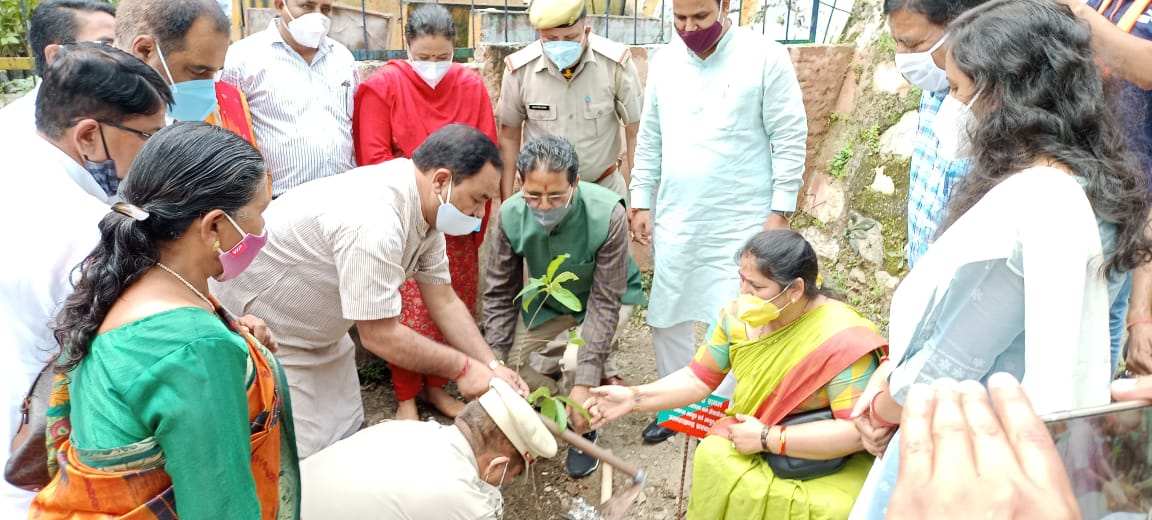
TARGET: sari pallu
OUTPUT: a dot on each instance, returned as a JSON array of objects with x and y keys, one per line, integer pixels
[
  {"x": 129, "y": 482},
  {"x": 775, "y": 374}
]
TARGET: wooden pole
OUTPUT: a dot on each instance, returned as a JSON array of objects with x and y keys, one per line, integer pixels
[
  {"x": 586, "y": 446},
  {"x": 606, "y": 483}
]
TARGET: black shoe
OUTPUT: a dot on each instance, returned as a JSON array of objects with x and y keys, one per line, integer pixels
[
  {"x": 655, "y": 434},
  {"x": 580, "y": 464}
]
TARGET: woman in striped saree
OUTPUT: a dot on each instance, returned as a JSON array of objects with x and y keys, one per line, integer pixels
[
  {"x": 792, "y": 350},
  {"x": 164, "y": 407}
]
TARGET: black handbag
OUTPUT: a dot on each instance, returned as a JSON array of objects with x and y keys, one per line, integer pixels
[
  {"x": 27, "y": 466},
  {"x": 795, "y": 468}
]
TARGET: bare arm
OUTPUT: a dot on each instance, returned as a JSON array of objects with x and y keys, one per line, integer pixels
[
  {"x": 509, "y": 150},
  {"x": 1127, "y": 56},
  {"x": 1139, "y": 360},
  {"x": 455, "y": 322},
  {"x": 400, "y": 345}
]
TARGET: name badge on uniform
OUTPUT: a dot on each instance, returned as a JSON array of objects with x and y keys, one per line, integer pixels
[{"x": 539, "y": 107}]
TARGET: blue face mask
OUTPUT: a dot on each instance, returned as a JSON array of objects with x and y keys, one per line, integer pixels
[
  {"x": 191, "y": 100},
  {"x": 104, "y": 172},
  {"x": 563, "y": 53}
]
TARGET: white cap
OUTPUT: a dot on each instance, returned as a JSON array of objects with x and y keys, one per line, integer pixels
[{"x": 519, "y": 422}]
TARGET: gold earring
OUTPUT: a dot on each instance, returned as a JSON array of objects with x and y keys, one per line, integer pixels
[{"x": 216, "y": 244}]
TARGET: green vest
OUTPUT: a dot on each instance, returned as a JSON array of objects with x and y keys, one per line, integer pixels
[{"x": 580, "y": 235}]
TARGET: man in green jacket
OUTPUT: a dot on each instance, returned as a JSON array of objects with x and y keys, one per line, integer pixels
[{"x": 554, "y": 215}]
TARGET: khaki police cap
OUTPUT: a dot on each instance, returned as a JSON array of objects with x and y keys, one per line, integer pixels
[{"x": 549, "y": 14}]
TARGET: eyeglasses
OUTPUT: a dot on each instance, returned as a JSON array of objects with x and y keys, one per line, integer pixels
[
  {"x": 554, "y": 200},
  {"x": 139, "y": 133}
]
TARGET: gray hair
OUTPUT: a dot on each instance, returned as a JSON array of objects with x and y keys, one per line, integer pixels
[
  {"x": 550, "y": 154},
  {"x": 166, "y": 20},
  {"x": 430, "y": 20}
]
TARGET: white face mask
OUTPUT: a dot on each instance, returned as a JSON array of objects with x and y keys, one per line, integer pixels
[
  {"x": 450, "y": 220},
  {"x": 431, "y": 71},
  {"x": 952, "y": 127},
  {"x": 308, "y": 30},
  {"x": 920, "y": 70}
]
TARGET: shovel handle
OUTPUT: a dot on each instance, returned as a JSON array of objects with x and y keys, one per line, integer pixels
[{"x": 584, "y": 445}]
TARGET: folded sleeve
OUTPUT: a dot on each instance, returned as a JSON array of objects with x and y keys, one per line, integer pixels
[{"x": 787, "y": 127}]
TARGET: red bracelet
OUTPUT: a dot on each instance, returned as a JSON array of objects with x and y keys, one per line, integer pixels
[
  {"x": 1141, "y": 321},
  {"x": 463, "y": 371},
  {"x": 783, "y": 441},
  {"x": 875, "y": 417}
]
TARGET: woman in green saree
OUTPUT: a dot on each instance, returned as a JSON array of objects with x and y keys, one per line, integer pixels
[{"x": 791, "y": 350}]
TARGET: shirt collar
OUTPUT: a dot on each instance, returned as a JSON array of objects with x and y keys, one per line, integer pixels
[
  {"x": 587, "y": 57},
  {"x": 74, "y": 171}
]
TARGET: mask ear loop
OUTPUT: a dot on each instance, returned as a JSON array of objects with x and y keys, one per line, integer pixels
[
  {"x": 571, "y": 194},
  {"x": 167, "y": 71}
]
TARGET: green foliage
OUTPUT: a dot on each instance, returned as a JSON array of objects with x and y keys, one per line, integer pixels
[
  {"x": 839, "y": 163},
  {"x": 885, "y": 45},
  {"x": 12, "y": 27},
  {"x": 554, "y": 407},
  {"x": 552, "y": 286}
]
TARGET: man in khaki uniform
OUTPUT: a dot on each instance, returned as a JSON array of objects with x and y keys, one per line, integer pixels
[{"x": 572, "y": 84}]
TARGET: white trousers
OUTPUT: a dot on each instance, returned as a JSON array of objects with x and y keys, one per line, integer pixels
[{"x": 674, "y": 346}]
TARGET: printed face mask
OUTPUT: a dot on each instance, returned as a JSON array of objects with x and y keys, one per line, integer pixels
[
  {"x": 920, "y": 69},
  {"x": 952, "y": 128},
  {"x": 191, "y": 100},
  {"x": 757, "y": 311},
  {"x": 236, "y": 260},
  {"x": 699, "y": 41},
  {"x": 104, "y": 172},
  {"x": 450, "y": 220},
  {"x": 308, "y": 30},
  {"x": 563, "y": 53},
  {"x": 431, "y": 71}
]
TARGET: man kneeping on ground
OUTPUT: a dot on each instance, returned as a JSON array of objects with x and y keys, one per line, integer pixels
[
  {"x": 409, "y": 470},
  {"x": 556, "y": 214}
]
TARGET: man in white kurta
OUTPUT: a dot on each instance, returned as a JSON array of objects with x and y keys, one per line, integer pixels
[
  {"x": 412, "y": 470},
  {"x": 720, "y": 156}
]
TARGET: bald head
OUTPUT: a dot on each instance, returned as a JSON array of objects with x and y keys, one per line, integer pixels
[{"x": 190, "y": 36}]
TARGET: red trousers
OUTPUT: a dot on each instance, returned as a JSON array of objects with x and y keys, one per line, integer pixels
[{"x": 464, "y": 266}]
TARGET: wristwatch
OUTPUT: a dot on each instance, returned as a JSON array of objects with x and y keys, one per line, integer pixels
[
  {"x": 785, "y": 214},
  {"x": 494, "y": 364}
]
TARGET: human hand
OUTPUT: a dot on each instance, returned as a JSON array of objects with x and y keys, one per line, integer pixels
[
  {"x": 746, "y": 434},
  {"x": 776, "y": 221},
  {"x": 476, "y": 381},
  {"x": 258, "y": 328},
  {"x": 962, "y": 458},
  {"x": 1136, "y": 389},
  {"x": 513, "y": 378},
  {"x": 640, "y": 221},
  {"x": 609, "y": 403},
  {"x": 1139, "y": 346},
  {"x": 576, "y": 420},
  {"x": 875, "y": 433}
]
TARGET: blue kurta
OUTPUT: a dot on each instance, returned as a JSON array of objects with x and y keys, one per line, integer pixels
[{"x": 721, "y": 145}]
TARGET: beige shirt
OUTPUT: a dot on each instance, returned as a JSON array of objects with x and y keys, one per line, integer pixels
[
  {"x": 338, "y": 250},
  {"x": 587, "y": 110},
  {"x": 397, "y": 470}
]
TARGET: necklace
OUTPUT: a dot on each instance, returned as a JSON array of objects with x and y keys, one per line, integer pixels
[{"x": 187, "y": 284}]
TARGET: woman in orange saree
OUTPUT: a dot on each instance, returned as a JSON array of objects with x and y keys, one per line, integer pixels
[
  {"x": 792, "y": 350},
  {"x": 163, "y": 406}
]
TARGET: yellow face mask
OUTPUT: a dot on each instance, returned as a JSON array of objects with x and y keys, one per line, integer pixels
[{"x": 757, "y": 311}]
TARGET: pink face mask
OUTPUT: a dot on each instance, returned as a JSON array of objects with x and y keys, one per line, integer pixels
[{"x": 237, "y": 259}]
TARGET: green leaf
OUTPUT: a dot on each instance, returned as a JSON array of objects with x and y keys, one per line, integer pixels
[
  {"x": 552, "y": 267},
  {"x": 563, "y": 278},
  {"x": 550, "y": 409},
  {"x": 574, "y": 338},
  {"x": 539, "y": 393},
  {"x": 575, "y": 406},
  {"x": 566, "y": 298},
  {"x": 530, "y": 291}
]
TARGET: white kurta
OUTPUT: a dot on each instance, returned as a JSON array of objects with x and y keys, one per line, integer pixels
[
  {"x": 52, "y": 228},
  {"x": 397, "y": 470},
  {"x": 721, "y": 144}
]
